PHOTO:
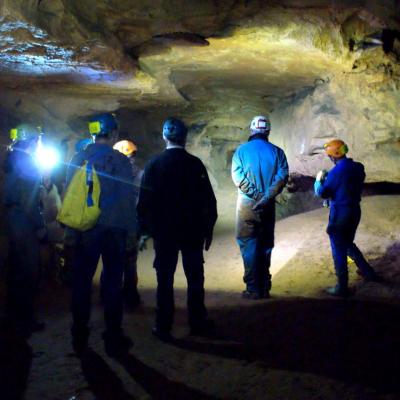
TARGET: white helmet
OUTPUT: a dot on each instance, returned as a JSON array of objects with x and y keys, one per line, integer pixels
[{"x": 260, "y": 124}]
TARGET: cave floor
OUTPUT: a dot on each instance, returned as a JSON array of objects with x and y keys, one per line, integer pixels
[{"x": 299, "y": 344}]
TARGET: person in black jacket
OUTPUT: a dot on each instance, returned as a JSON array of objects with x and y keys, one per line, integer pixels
[{"x": 177, "y": 207}]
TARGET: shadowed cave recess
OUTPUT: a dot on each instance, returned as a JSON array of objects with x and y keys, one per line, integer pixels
[{"x": 320, "y": 70}]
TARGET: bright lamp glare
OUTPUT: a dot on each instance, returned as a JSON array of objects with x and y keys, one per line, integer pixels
[{"x": 47, "y": 157}]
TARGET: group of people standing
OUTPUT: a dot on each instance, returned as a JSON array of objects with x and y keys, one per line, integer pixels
[{"x": 171, "y": 201}]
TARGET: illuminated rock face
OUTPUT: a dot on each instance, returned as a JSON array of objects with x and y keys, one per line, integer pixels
[{"x": 321, "y": 69}]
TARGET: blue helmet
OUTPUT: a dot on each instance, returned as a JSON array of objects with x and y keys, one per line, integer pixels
[
  {"x": 174, "y": 130},
  {"x": 81, "y": 145},
  {"x": 102, "y": 124},
  {"x": 24, "y": 132}
]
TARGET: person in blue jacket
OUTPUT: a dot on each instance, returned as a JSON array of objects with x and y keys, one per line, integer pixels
[
  {"x": 25, "y": 228},
  {"x": 260, "y": 172},
  {"x": 106, "y": 239},
  {"x": 343, "y": 186}
]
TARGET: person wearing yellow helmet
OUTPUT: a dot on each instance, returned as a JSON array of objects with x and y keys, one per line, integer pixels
[
  {"x": 130, "y": 290},
  {"x": 25, "y": 228},
  {"x": 343, "y": 185}
]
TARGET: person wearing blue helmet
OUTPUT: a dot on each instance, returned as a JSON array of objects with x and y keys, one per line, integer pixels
[
  {"x": 107, "y": 239},
  {"x": 177, "y": 208},
  {"x": 25, "y": 228},
  {"x": 260, "y": 172}
]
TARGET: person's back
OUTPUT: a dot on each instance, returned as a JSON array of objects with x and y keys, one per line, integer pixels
[
  {"x": 177, "y": 207},
  {"x": 182, "y": 205},
  {"x": 115, "y": 176},
  {"x": 344, "y": 183},
  {"x": 258, "y": 160},
  {"x": 259, "y": 171}
]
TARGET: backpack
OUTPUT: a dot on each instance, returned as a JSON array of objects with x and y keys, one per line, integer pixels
[{"x": 80, "y": 208}]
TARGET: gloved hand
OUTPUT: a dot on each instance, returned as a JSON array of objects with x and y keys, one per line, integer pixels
[
  {"x": 142, "y": 242},
  {"x": 321, "y": 175},
  {"x": 208, "y": 241},
  {"x": 260, "y": 204},
  {"x": 317, "y": 187}
]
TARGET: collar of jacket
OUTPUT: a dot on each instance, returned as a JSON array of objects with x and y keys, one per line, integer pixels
[{"x": 262, "y": 136}]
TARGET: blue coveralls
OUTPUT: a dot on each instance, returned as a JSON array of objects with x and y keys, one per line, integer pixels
[
  {"x": 106, "y": 239},
  {"x": 23, "y": 220},
  {"x": 259, "y": 169},
  {"x": 343, "y": 186}
]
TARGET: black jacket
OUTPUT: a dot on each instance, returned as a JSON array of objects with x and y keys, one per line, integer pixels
[{"x": 176, "y": 200}]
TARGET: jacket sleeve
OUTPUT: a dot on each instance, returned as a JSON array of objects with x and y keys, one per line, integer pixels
[
  {"x": 146, "y": 203},
  {"x": 329, "y": 186},
  {"x": 209, "y": 212},
  {"x": 281, "y": 177},
  {"x": 241, "y": 179}
]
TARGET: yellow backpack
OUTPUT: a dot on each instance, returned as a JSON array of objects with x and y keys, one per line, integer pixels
[{"x": 80, "y": 208}]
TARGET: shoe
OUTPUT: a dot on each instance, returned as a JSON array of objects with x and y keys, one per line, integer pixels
[
  {"x": 206, "y": 328},
  {"x": 250, "y": 295},
  {"x": 337, "y": 292},
  {"x": 164, "y": 336},
  {"x": 80, "y": 339},
  {"x": 116, "y": 345}
]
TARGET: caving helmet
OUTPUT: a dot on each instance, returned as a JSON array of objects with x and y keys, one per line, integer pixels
[
  {"x": 102, "y": 124},
  {"x": 336, "y": 148},
  {"x": 126, "y": 147},
  {"x": 174, "y": 130},
  {"x": 260, "y": 124},
  {"x": 24, "y": 132}
]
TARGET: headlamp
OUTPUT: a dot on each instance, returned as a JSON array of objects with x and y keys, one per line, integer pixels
[
  {"x": 94, "y": 127},
  {"x": 46, "y": 157},
  {"x": 14, "y": 134}
]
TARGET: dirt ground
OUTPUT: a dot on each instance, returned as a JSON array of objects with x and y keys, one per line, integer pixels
[{"x": 299, "y": 344}]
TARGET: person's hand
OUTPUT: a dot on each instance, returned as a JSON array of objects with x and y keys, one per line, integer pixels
[
  {"x": 260, "y": 204},
  {"x": 142, "y": 242},
  {"x": 208, "y": 241}
]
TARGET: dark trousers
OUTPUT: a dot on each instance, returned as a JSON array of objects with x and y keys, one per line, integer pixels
[
  {"x": 110, "y": 244},
  {"x": 23, "y": 270},
  {"x": 343, "y": 223},
  {"x": 255, "y": 237},
  {"x": 165, "y": 265},
  {"x": 130, "y": 290}
]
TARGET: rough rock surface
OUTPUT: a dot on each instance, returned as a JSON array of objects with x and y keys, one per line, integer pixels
[{"x": 320, "y": 68}]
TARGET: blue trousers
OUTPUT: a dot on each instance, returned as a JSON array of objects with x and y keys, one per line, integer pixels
[
  {"x": 255, "y": 237},
  {"x": 165, "y": 265},
  {"x": 109, "y": 243},
  {"x": 343, "y": 223}
]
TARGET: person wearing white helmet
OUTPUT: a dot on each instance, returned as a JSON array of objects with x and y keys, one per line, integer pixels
[{"x": 260, "y": 172}]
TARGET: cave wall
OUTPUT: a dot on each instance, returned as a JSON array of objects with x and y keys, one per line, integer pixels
[{"x": 321, "y": 69}]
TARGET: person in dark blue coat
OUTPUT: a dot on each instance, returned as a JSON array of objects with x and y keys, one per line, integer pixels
[
  {"x": 25, "y": 228},
  {"x": 106, "y": 239},
  {"x": 343, "y": 187},
  {"x": 260, "y": 172},
  {"x": 178, "y": 209}
]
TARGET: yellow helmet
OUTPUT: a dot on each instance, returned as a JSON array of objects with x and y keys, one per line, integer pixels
[
  {"x": 125, "y": 147},
  {"x": 336, "y": 148}
]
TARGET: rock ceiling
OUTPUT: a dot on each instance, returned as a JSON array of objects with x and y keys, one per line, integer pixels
[{"x": 214, "y": 62}]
